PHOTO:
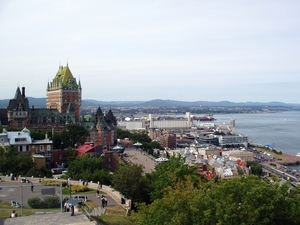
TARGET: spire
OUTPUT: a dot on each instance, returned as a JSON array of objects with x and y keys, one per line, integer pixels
[
  {"x": 79, "y": 84},
  {"x": 48, "y": 86}
]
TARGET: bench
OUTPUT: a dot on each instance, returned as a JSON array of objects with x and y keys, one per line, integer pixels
[{"x": 15, "y": 203}]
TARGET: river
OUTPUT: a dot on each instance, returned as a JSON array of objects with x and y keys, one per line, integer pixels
[{"x": 280, "y": 130}]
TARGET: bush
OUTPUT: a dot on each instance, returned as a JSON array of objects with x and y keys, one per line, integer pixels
[
  {"x": 52, "y": 202},
  {"x": 48, "y": 202},
  {"x": 35, "y": 202},
  {"x": 79, "y": 188},
  {"x": 53, "y": 183}
]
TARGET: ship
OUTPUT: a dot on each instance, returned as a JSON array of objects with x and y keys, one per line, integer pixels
[{"x": 204, "y": 118}]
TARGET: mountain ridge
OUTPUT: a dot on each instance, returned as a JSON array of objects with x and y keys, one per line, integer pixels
[{"x": 41, "y": 103}]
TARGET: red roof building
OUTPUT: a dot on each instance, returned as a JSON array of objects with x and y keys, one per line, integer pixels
[{"x": 85, "y": 148}]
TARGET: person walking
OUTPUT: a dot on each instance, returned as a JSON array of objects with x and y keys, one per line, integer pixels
[
  {"x": 31, "y": 187},
  {"x": 72, "y": 210},
  {"x": 103, "y": 201}
]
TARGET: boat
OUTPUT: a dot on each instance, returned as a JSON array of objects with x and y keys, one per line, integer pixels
[
  {"x": 204, "y": 118},
  {"x": 298, "y": 154}
]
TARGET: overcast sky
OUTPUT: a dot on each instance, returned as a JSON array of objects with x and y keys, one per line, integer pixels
[{"x": 142, "y": 50}]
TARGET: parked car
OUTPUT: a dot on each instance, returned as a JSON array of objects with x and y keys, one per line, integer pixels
[{"x": 81, "y": 197}]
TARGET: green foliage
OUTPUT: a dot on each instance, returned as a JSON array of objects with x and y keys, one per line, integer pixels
[
  {"x": 256, "y": 168},
  {"x": 36, "y": 203},
  {"x": 129, "y": 180},
  {"x": 74, "y": 134},
  {"x": 71, "y": 156},
  {"x": 88, "y": 168},
  {"x": 71, "y": 135},
  {"x": 52, "y": 202},
  {"x": 53, "y": 183},
  {"x": 48, "y": 202},
  {"x": 241, "y": 200},
  {"x": 42, "y": 172},
  {"x": 40, "y": 134},
  {"x": 79, "y": 188},
  {"x": 122, "y": 134},
  {"x": 12, "y": 162},
  {"x": 167, "y": 174}
]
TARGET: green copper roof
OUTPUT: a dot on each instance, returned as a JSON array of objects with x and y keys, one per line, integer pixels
[{"x": 64, "y": 78}]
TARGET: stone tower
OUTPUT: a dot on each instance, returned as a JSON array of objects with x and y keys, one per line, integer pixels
[{"x": 64, "y": 93}]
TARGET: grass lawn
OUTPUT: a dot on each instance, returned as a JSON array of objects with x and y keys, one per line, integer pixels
[
  {"x": 66, "y": 191},
  {"x": 6, "y": 209},
  {"x": 114, "y": 216}
]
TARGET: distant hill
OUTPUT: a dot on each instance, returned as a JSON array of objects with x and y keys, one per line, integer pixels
[{"x": 41, "y": 103}]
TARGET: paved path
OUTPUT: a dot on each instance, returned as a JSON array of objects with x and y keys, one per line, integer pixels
[
  {"x": 139, "y": 157},
  {"x": 49, "y": 219}
]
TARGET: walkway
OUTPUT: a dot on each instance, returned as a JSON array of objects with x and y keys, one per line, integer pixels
[
  {"x": 49, "y": 219},
  {"x": 139, "y": 157}
]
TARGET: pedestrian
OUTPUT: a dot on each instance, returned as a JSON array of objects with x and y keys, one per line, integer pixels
[
  {"x": 32, "y": 187},
  {"x": 103, "y": 201},
  {"x": 98, "y": 192},
  {"x": 72, "y": 210},
  {"x": 13, "y": 214}
]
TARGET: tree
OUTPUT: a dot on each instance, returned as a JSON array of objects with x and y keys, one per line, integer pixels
[
  {"x": 13, "y": 162},
  {"x": 87, "y": 167},
  {"x": 128, "y": 179},
  {"x": 242, "y": 200},
  {"x": 167, "y": 174},
  {"x": 256, "y": 168},
  {"x": 73, "y": 134}
]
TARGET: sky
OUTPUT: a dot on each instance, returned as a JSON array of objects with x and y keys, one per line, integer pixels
[{"x": 185, "y": 50}]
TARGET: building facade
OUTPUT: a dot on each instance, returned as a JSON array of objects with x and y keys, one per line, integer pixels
[{"x": 64, "y": 93}]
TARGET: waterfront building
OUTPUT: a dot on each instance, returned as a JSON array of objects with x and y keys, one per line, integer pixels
[
  {"x": 239, "y": 154},
  {"x": 233, "y": 140}
]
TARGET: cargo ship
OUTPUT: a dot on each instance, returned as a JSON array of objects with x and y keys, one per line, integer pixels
[{"x": 204, "y": 118}]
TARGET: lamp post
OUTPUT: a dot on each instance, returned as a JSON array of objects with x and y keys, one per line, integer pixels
[{"x": 70, "y": 189}]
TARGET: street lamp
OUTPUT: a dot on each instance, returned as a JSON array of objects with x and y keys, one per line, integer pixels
[{"x": 70, "y": 189}]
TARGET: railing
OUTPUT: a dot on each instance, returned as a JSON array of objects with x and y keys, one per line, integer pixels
[{"x": 86, "y": 211}]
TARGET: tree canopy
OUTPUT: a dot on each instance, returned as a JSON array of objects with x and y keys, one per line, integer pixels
[
  {"x": 12, "y": 162},
  {"x": 241, "y": 200},
  {"x": 88, "y": 168},
  {"x": 129, "y": 180}
]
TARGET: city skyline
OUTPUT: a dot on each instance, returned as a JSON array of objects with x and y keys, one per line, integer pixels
[{"x": 140, "y": 51}]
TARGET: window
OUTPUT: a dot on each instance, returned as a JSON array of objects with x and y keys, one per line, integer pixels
[
  {"x": 20, "y": 139},
  {"x": 48, "y": 147},
  {"x": 41, "y": 147}
]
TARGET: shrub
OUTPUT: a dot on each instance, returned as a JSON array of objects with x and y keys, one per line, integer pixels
[
  {"x": 35, "y": 202},
  {"x": 53, "y": 183},
  {"x": 79, "y": 188},
  {"x": 52, "y": 202}
]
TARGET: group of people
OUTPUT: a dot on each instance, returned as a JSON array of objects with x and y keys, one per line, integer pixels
[{"x": 69, "y": 207}]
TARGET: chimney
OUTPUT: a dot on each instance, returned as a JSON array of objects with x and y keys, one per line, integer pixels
[{"x": 23, "y": 92}]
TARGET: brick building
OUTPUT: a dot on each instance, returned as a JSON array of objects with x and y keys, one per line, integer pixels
[{"x": 64, "y": 93}]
